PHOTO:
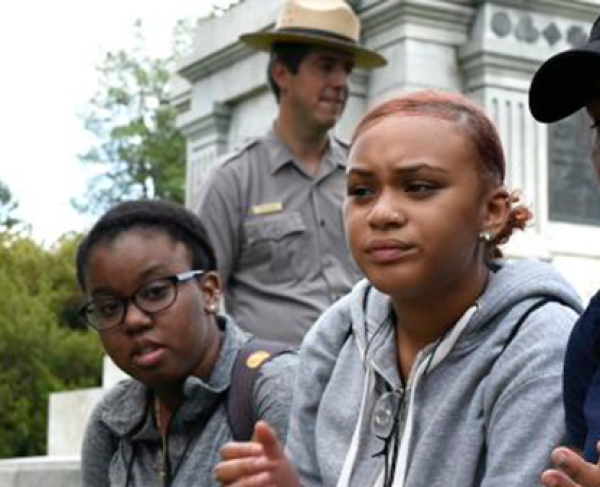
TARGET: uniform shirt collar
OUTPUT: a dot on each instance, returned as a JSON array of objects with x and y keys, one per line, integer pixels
[{"x": 280, "y": 154}]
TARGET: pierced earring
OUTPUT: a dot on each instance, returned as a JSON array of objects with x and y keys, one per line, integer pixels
[
  {"x": 485, "y": 236},
  {"x": 211, "y": 310}
]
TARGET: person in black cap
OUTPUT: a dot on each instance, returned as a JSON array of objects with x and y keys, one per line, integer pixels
[{"x": 564, "y": 84}]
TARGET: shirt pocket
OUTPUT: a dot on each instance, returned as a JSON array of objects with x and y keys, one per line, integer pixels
[{"x": 272, "y": 244}]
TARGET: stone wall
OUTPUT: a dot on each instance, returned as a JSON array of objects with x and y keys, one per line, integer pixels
[
  {"x": 41, "y": 472},
  {"x": 486, "y": 49}
]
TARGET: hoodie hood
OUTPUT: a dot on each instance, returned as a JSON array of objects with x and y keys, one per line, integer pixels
[{"x": 509, "y": 284}]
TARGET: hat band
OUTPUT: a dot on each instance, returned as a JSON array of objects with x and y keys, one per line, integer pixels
[{"x": 316, "y": 32}]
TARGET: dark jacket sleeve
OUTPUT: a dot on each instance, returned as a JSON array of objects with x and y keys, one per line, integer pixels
[{"x": 581, "y": 364}]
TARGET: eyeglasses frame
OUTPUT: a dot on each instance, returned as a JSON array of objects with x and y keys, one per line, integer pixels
[{"x": 176, "y": 279}]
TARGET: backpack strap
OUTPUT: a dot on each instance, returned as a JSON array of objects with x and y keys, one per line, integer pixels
[
  {"x": 517, "y": 326},
  {"x": 534, "y": 307},
  {"x": 239, "y": 403}
]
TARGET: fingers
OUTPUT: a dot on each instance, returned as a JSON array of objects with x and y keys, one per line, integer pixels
[
  {"x": 244, "y": 472},
  {"x": 573, "y": 471},
  {"x": 261, "y": 480},
  {"x": 258, "y": 463},
  {"x": 267, "y": 437},
  {"x": 236, "y": 450},
  {"x": 555, "y": 478},
  {"x": 247, "y": 464}
]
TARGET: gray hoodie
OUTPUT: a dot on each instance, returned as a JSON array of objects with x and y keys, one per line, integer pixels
[
  {"x": 121, "y": 423},
  {"x": 470, "y": 415}
]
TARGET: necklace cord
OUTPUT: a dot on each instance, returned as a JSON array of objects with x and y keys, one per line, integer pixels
[
  {"x": 197, "y": 429},
  {"x": 392, "y": 441}
]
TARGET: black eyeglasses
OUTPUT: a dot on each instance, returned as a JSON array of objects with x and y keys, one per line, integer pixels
[{"x": 108, "y": 311}]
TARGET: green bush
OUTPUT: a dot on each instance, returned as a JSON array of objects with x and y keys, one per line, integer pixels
[{"x": 42, "y": 348}]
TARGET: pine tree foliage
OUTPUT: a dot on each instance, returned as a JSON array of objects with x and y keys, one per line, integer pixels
[{"x": 138, "y": 151}]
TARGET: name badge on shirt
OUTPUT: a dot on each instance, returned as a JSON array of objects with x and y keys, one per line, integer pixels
[{"x": 266, "y": 208}]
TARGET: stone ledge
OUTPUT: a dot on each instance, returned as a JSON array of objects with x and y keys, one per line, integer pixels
[
  {"x": 41, "y": 471},
  {"x": 68, "y": 415}
]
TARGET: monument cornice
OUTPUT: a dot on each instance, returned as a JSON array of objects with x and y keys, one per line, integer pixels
[
  {"x": 504, "y": 70},
  {"x": 386, "y": 16},
  {"x": 517, "y": 40},
  {"x": 387, "y": 22},
  {"x": 584, "y": 10},
  {"x": 214, "y": 123},
  {"x": 195, "y": 68}
]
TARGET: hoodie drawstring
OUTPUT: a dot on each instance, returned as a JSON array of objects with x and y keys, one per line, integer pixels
[{"x": 439, "y": 353}]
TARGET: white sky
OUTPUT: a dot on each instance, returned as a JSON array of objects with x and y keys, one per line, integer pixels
[{"x": 48, "y": 54}]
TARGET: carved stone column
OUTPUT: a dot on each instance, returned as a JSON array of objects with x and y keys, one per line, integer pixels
[{"x": 207, "y": 138}]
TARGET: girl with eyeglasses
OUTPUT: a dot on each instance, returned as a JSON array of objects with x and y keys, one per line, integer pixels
[
  {"x": 147, "y": 269},
  {"x": 442, "y": 368}
]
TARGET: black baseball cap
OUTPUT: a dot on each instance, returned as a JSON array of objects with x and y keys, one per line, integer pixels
[{"x": 567, "y": 81}]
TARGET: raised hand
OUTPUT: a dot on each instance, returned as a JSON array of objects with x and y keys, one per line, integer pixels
[
  {"x": 260, "y": 462},
  {"x": 571, "y": 470}
]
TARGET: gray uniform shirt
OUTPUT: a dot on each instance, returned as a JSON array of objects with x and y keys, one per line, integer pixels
[
  {"x": 279, "y": 236},
  {"x": 121, "y": 433}
]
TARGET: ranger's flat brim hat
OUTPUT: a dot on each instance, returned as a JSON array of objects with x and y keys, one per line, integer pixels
[
  {"x": 327, "y": 23},
  {"x": 567, "y": 81}
]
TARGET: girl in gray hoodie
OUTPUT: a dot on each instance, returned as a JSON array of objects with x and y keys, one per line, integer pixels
[
  {"x": 148, "y": 271},
  {"x": 442, "y": 368}
]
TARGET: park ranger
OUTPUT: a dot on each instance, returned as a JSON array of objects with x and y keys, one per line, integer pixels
[{"x": 273, "y": 208}]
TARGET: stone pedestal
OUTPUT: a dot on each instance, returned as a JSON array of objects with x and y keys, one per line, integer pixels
[
  {"x": 68, "y": 415},
  {"x": 67, "y": 418},
  {"x": 41, "y": 472},
  {"x": 69, "y": 412}
]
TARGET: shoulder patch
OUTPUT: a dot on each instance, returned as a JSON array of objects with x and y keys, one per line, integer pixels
[
  {"x": 239, "y": 150},
  {"x": 257, "y": 358}
]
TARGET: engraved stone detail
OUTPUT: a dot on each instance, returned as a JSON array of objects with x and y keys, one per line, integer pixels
[
  {"x": 576, "y": 36},
  {"x": 526, "y": 31},
  {"x": 501, "y": 24},
  {"x": 552, "y": 34}
]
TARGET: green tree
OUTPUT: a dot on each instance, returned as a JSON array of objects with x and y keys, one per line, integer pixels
[
  {"x": 42, "y": 350},
  {"x": 138, "y": 150},
  {"x": 7, "y": 208}
]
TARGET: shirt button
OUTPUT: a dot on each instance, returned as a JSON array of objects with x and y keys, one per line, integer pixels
[{"x": 322, "y": 222}]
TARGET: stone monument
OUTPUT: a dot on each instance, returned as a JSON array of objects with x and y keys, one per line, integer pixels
[{"x": 488, "y": 49}]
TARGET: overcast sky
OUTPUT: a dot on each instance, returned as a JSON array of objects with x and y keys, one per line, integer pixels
[{"x": 48, "y": 52}]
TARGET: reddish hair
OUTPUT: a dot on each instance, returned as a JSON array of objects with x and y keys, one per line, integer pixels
[{"x": 478, "y": 129}]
